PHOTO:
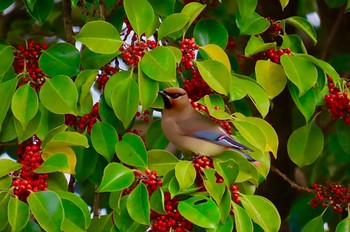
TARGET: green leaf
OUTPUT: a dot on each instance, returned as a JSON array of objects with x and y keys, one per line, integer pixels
[
  {"x": 40, "y": 10},
  {"x": 48, "y": 121},
  {"x": 131, "y": 150},
  {"x": 210, "y": 31},
  {"x": 7, "y": 57},
  {"x": 100, "y": 37},
  {"x": 256, "y": 44},
  {"x": 185, "y": 174},
  {"x": 140, "y": 14},
  {"x": 7, "y": 166},
  {"x": 261, "y": 211},
  {"x": 344, "y": 225},
  {"x": 252, "y": 25},
  {"x": 304, "y": 26},
  {"x": 111, "y": 83},
  {"x": 24, "y": 134},
  {"x": 306, "y": 103},
  {"x": 54, "y": 163},
  {"x": 247, "y": 8},
  {"x": 47, "y": 209},
  {"x": 159, "y": 64},
  {"x": 315, "y": 225},
  {"x": 225, "y": 206},
  {"x": 138, "y": 205},
  {"x": 125, "y": 100},
  {"x": 193, "y": 10},
  {"x": 343, "y": 134},
  {"x": 215, "y": 190},
  {"x": 156, "y": 142},
  {"x": 116, "y": 177},
  {"x": 18, "y": 214},
  {"x": 148, "y": 90},
  {"x": 76, "y": 212},
  {"x": 284, "y": 3},
  {"x": 86, "y": 159},
  {"x": 249, "y": 127},
  {"x": 4, "y": 200},
  {"x": 229, "y": 170},
  {"x": 5, "y": 182},
  {"x": 5, "y": 4},
  {"x": 104, "y": 139},
  {"x": 216, "y": 75},
  {"x": 163, "y": 8},
  {"x": 216, "y": 53},
  {"x": 305, "y": 144},
  {"x": 92, "y": 60},
  {"x": 60, "y": 59},
  {"x": 200, "y": 210},
  {"x": 83, "y": 83},
  {"x": 101, "y": 224},
  {"x": 59, "y": 95},
  {"x": 161, "y": 161},
  {"x": 8, "y": 131},
  {"x": 216, "y": 106},
  {"x": 157, "y": 201},
  {"x": 70, "y": 138},
  {"x": 297, "y": 69},
  {"x": 7, "y": 89},
  {"x": 271, "y": 77},
  {"x": 243, "y": 222},
  {"x": 173, "y": 23}
]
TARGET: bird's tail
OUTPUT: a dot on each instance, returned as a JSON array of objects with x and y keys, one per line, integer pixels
[{"x": 249, "y": 158}]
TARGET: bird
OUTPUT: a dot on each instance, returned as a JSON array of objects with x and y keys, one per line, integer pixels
[{"x": 191, "y": 131}]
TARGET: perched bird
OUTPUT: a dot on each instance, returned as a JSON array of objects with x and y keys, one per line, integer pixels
[{"x": 190, "y": 131}]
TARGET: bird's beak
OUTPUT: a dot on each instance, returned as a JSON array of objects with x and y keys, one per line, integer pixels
[
  {"x": 162, "y": 93},
  {"x": 165, "y": 96}
]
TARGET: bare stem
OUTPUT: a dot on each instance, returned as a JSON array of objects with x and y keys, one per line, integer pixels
[
  {"x": 102, "y": 9},
  {"x": 67, "y": 20},
  {"x": 96, "y": 206},
  {"x": 8, "y": 144},
  {"x": 81, "y": 5},
  {"x": 291, "y": 182}
]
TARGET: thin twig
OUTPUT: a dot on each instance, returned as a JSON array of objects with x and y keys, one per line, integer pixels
[
  {"x": 333, "y": 32},
  {"x": 292, "y": 183},
  {"x": 96, "y": 206},
  {"x": 67, "y": 20},
  {"x": 8, "y": 144},
  {"x": 81, "y": 5},
  {"x": 102, "y": 9}
]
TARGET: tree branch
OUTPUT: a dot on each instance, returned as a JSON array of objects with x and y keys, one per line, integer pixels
[
  {"x": 291, "y": 182},
  {"x": 96, "y": 206},
  {"x": 85, "y": 11},
  {"x": 67, "y": 20},
  {"x": 102, "y": 9}
]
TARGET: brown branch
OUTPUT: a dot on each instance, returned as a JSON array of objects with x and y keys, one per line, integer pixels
[
  {"x": 8, "y": 144},
  {"x": 332, "y": 34},
  {"x": 81, "y": 5},
  {"x": 102, "y": 9},
  {"x": 67, "y": 20},
  {"x": 96, "y": 206},
  {"x": 291, "y": 182}
]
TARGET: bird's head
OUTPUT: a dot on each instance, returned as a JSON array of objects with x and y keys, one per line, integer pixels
[{"x": 174, "y": 97}]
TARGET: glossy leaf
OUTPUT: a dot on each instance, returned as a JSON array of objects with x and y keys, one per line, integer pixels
[
  {"x": 7, "y": 89},
  {"x": 60, "y": 59},
  {"x": 54, "y": 163},
  {"x": 271, "y": 77},
  {"x": 343, "y": 133},
  {"x": 216, "y": 106},
  {"x": 25, "y": 133},
  {"x": 243, "y": 223},
  {"x": 192, "y": 9},
  {"x": 47, "y": 209},
  {"x": 103, "y": 223},
  {"x": 163, "y": 8},
  {"x": 100, "y": 37},
  {"x": 284, "y": 3},
  {"x": 125, "y": 100},
  {"x": 229, "y": 170},
  {"x": 304, "y": 26},
  {"x": 40, "y": 10},
  {"x": 305, "y": 144},
  {"x": 111, "y": 83},
  {"x": 148, "y": 90},
  {"x": 157, "y": 201},
  {"x": 7, "y": 166},
  {"x": 225, "y": 206},
  {"x": 156, "y": 142},
  {"x": 306, "y": 103},
  {"x": 215, "y": 190},
  {"x": 5, "y": 3},
  {"x": 116, "y": 177},
  {"x": 59, "y": 95},
  {"x": 104, "y": 138},
  {"x": 300, "y": 71},
  {"x": 83, "y": 83},
  {"x": 140, "y": 14},
  {"x": 138, "y": 205},
  {"x": 76, "y": 212},
  {"x": 131, "y": 150},
  {"x": 7, "y": 54},
  {"x": 70, "y": 138},
  {"x": 93, "y": 60},
  {"x": 4, "y": 200},
  {"x": 256, "y": 44},
  {"x": 68, "y": 151},
  {"x": 252, "y": 25},
  {"x": 314, "y": 225},
  {"x": 173, "y": 23},
  {"x": 159, "y": 64},
  {"x": 48, "y": 121},
  {"x": 344, "y": 225},
  {"x": 210, "y": 31},
  {"x": 217, "y": 53},
  {"x": 185, "y": 174},
  {"x": 161, "y": 161},
  {"x": 261, "y": 211},
  {"x": 18, "y": 214},
  {"x": 5, "y": 182},
  {"x": 200, "y": 210},
  {"x": 247, "y": 8},
  {"x": 216, "y": 75}
]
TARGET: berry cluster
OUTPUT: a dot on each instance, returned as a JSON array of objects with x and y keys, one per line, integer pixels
[
  {"x": 26, "y": 62},
  {"x": 144, "y": 116},
  {"x": 188, "y": 49},
  {"x": 132, "y": 54},
  {"x": 103, "y": 76},
  {"x": 224, "y": 124},
  {"x": 196, "y": 87},
  {"x": 272, "y": 54},
  {"x": 338, "y": 102},
  {"x": 172, "y": 221},
  {"x": 149, "y": 178},
  {"x": 235, "y": 193},
  {"x": 203, "y": 162},
  {"x": 275, "y": 28},
  {"x": 335, "y": 195},
  {"x": 231, "y": 44},
  {"x": 80, "y": 123},
  {"x": 26, "y": 180}
]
